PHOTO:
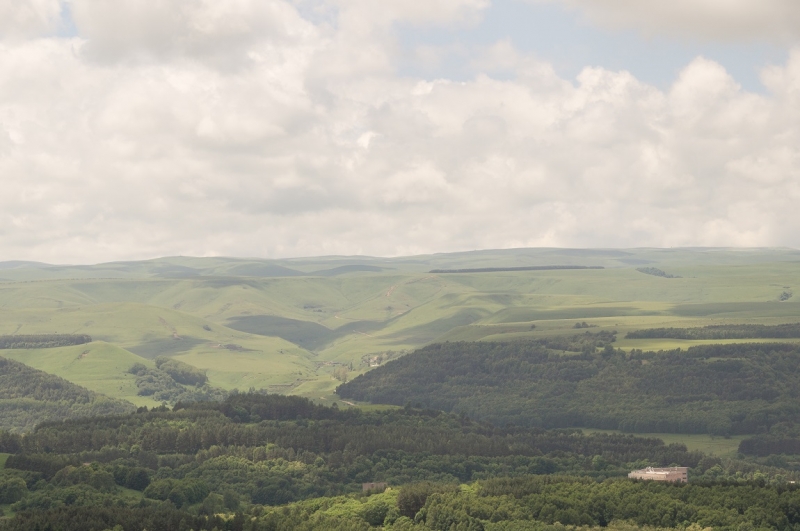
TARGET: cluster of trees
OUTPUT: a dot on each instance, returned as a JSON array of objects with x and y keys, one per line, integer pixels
[
  {"x": 181, "y": 372},
  {"x": 782, "y": 438},
  {"x": 716, "y": 389},
  {"x": 29, "y": 396},
  {"x": 763, "y": 446},
  {"x": 173, "y": 381},
  {"x": 656, "y": 272},
  {"x": 730, "y": 331},
  {"x": 251, "y": 455},
  {"x": 43, "y": 340},
  {"x": 585, "y": 342},
  {"x": 106, "y": 515}
]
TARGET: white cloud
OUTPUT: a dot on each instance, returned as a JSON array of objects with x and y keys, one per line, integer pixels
[
  {"x": 257, "y": 132},
  {"x": 26, "y": 18},
  {"x": 433, "y": 12},
  {"x": 226, "y": 34},
  {"x": 772, "y": 20}
]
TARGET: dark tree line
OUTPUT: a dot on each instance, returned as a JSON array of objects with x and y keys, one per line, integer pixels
[
  {"x": 730, "y": 331},
  {"x": 656, "y": 272},
  {"x": 717, "y": 389},
  {"x": 43, "y": 340}
]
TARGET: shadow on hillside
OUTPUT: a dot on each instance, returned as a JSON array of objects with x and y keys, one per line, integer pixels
[
  {"x": 305, "y": 334},
  {"x": 165, "y": 347}
]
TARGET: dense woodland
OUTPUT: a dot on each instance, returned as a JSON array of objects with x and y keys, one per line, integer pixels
[
  {"x": 237, "y": 464},
  {"x": 43, "y": 340},
  {"x": 716, "y": 389},
  {"x": 29, "y": 396},
  {"x": 270, "y": 462},
  {"x": 731, "y": 331}
]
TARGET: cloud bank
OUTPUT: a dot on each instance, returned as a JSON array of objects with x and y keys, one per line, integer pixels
[
  {"x": 250, "y": 128},
  {"x": 772, "y": 20}
]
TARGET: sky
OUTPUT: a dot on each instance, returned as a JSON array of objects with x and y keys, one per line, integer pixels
[{"x": 284, "y": 128}]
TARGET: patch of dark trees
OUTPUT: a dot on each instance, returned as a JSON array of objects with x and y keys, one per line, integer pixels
[
  {"x": 502, "y": 269},
  {"x": 656, "y": 272},
  {"x": 782, "y": 439},
  {"x": 173, "y": 381},
  {"x": 43, "y": 341},
  {"x": 728, "y": 331},
  {"x": 763, "y": 446},
  {"x": 716, "y": 389}
]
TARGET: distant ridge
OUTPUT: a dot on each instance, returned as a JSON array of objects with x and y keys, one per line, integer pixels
[
  {"x": 354, "y": 268},
  {"x": 526, "y": 268},
  {"x": 18, "y": 264}
]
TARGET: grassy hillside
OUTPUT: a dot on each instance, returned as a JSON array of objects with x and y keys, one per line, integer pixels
[
  {"x": 29, "y": 396},
  {"x": 98, "y": 366},
  {"x": 289, "y": 325}
]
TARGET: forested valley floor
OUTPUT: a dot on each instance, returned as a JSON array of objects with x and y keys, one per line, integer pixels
[{"x": 271, "y": 462}]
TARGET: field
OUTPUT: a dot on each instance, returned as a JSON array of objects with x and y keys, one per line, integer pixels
[
  {"x": 708, "y": 444},
  {"x": 291, "y": 325}
]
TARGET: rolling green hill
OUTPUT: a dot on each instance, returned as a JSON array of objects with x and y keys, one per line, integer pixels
[{"x": 304, "y": 325}]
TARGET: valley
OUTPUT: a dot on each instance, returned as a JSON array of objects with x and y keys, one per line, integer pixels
[{"x": 289, "y": 325}]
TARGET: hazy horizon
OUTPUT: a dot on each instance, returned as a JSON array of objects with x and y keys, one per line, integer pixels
[{"x": 522, "y": 252}]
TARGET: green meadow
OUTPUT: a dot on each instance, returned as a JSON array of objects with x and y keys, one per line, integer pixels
[
  {"x": 301, "y": 326},
  {"x": 708, "y": 444}
]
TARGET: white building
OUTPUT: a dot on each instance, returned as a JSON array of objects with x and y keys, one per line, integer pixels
[{"x": 675, "y": 474}]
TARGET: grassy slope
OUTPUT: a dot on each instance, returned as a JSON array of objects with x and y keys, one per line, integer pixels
[
  {"x": 97, "y": 366},
  {"x": 136, "y": 309}
]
